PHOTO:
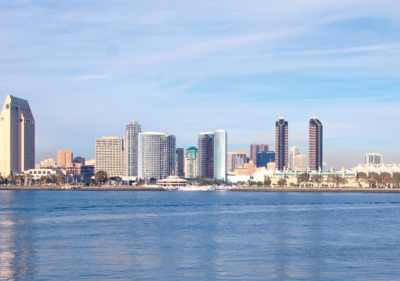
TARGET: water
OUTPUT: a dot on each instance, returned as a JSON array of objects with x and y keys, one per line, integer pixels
[{"x": 69, "y": 235}]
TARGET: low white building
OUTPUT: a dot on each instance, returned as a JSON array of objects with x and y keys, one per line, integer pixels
[
  {"x": 38, "y": 173},
  {"x": 235, "y": 179},
  {"x": 48, "y": 164}
]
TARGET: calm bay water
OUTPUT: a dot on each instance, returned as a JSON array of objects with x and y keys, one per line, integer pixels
[{"x": 64, "y": 235}]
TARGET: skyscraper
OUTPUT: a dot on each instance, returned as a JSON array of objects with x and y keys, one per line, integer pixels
[
  {"x": 300, "y": 162},
  {"x": 65, "y": 157},
  {"x": 206, "y": 155},
  {"x": 373, "y": 158},
  {"x": 256, "y": 148},
  {"x": 156, "y": 155},
  {"x": 239, "y": 158},
  {"x": 315, "y": 144},
  {"x": 132, "y": 131},
  {"x": 109, "y": 155},
  {"x": 229, "y": 162},
  {"x": 265, "y": 157},
  {"x": 191, "y": 159},
  {"x": 17, "y": 138},
  {"x": 294, "y": 151},
  {"x": 179, "y": 162},
  {"x": 220, "y": 154},
  {"x": 281, "y": 143}
]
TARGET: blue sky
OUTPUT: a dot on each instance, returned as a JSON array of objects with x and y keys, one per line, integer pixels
[{"x": 183, "y": 67}]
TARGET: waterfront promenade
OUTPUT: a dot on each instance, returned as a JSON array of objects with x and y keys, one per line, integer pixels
[{"x": 205, "y": 188}]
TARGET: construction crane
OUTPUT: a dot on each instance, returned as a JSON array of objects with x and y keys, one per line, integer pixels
[{"x": 47, "y": 158}]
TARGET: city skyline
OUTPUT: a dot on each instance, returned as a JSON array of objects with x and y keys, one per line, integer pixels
[{"x": 135, "y": 122}]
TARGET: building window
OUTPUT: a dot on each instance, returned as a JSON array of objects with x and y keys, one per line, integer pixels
[{"x": 7, "y": 106}]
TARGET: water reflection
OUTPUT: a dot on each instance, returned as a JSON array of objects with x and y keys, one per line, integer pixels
[{"x": 16, "y": 250}]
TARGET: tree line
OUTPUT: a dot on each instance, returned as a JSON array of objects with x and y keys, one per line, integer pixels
[{"x": 379, "y": 181}]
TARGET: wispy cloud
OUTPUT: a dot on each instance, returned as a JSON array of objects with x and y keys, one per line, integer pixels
[
  {"x": 87, "y": 77},
  {"x": 206, "y": 47},
  {"x": 360, "y": 49}
]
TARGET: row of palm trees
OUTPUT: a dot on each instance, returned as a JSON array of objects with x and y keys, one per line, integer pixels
[
  {"x": 379, "y": 181},
  {"x": 27, "y": 180},
  {"x": 318, "y": 180}
]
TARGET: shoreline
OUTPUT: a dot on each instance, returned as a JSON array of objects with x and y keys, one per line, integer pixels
[
  {"x": 244, "y": 189},
  {"x": 332, "y": 190},
  {"x": 84, "y": 188}
]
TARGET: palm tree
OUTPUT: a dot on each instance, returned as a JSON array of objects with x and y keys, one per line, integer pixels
[
  {"x": 317, "y": 179},
  {"x": 28, "y": 179},
  {"x": 303, "y": 178}
]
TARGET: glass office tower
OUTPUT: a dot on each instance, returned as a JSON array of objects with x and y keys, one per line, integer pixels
[{"x": 220, "y": 155}]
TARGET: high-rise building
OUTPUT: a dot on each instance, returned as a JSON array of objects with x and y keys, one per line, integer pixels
[
  {"x": 294, "y": 151},
  {"x": 109, "y": 156},
  {"x": 315, "y": 144},
  {"x": 300, "y": 162},
  {"x": 281, "y": 143},
  {"x": 65, "y": 157},
  {"x": 265, "y": 157},
  {"x": 79, "y": 159},
  {"x": 324, "y": 166},
  {"x": 191, "y": 158},
  {"x": 229, "y": 162},
  {"x": 206, "y": 155},
  {"x": 373, "y": 158},
  {"x": 256, "y": 148},
  {"x": 239, "y": 158},
  {"x": 132, "y": 131},
  {"x": 213, "y": 155},
  {"x": 179, "y": 162},
  {"x": 17, "y": 138},
  {"x": 220, "y": 154},
  {"x": 156, "y": 155}
]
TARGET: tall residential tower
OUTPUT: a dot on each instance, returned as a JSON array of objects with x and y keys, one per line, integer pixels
[
  {"x": 156, "y": 155},
  {"x": 315, "y": 144},
  {"x": 132, "y": 131},
  {"x": 191, "y": 159},
  {"x": 17, "y": 137},
  {"x": 109, "y": 155},
  {"x": 206, "y": 155},
  {"x": 220, "y": 155},
  {"x": 213, "y": 155},
  {"x": 281, "y": 143},
  {"x": 294, "y": 151}
]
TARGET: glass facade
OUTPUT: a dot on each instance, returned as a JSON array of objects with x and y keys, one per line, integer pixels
[
  {"x": 206, "y": 155},
  {"x": 132, "y": 131},
  {"x": 156, "y": 155},
  {"x": 281, "y": 143},
  {"x": 220, "y": 155}
]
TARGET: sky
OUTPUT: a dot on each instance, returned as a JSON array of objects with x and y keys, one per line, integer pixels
[{"x": 88, "y": 68}]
